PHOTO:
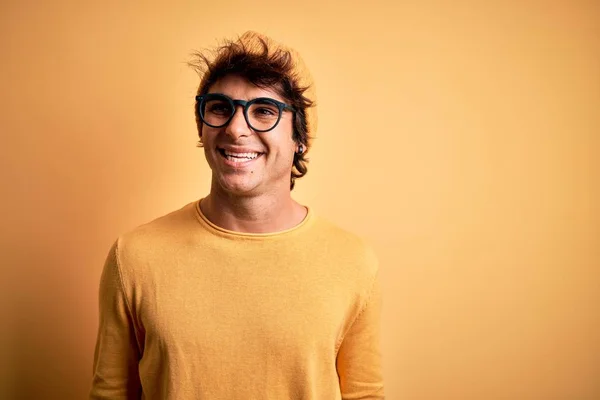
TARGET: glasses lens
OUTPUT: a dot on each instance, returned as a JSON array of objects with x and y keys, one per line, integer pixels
[
  {"x": 216, "y": 111},
  {"x": 263, "y": 114}
]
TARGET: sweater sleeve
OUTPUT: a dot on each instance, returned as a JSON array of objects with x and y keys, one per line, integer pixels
[
  {"x": 116, "y": 357},
  {"x": 359, "y": 357}
]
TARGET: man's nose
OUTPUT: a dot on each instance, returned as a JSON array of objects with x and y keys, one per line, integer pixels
[{"x": 238, "y": 126}]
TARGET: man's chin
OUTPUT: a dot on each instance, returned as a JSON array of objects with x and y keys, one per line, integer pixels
[{"x": 238, "y": 187}]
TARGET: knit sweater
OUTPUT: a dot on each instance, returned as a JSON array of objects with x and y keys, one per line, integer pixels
[{"x": 189, "y": 310}]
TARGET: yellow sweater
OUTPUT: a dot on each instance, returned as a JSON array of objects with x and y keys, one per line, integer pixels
[{"x": 189, "y": 310}]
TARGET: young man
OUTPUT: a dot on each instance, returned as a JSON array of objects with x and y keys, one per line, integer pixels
[{"x": 244, "y": 294}]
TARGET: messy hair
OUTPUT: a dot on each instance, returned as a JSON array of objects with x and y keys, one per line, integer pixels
[{"x": 265, "y": 67}]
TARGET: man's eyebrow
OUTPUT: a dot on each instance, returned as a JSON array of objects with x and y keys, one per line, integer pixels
[{"x": 249, "y": 99}]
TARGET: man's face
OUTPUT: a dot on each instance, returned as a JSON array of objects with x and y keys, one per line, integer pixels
[{"x": 245, "y": 162}]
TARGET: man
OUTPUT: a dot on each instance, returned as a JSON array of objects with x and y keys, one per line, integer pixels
[{"x": 244, "y": 294}]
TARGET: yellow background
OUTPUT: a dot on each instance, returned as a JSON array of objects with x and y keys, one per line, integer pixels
[{"x": 460, "y": 138}]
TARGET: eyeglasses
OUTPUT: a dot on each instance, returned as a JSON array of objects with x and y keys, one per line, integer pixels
[{"x": 262, "y": 114}]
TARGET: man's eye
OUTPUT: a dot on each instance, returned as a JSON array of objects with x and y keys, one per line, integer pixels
[
  {"x": 219, "y": 108},
  {"x": 263, "y": 111}
]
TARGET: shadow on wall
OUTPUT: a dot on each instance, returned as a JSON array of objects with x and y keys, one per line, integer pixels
[{"x": 52, "y": 318}]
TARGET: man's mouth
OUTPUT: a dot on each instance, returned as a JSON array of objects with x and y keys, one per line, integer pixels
[{"x": 238, "y": 157}]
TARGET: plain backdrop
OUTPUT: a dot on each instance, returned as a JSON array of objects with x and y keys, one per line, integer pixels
[{"x": 460, "y": 137}]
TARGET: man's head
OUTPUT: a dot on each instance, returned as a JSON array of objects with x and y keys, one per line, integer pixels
[{"x": 257, "y": 146}]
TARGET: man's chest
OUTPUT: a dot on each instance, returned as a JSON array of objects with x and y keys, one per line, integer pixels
[{"x": 215, "y": 308}]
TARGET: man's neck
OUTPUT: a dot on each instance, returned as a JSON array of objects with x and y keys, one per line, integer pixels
[{"x": 253, "y": 214}]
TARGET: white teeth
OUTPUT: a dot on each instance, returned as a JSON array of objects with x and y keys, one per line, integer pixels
[
  {"x": 231, "y": 156},
  {"x": 235, "y": 159}
]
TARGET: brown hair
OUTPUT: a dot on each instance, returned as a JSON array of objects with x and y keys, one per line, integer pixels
[{"x": 266, "y": 64}]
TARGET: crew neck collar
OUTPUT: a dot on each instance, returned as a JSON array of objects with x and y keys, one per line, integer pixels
[{"x": 215, "y": 229}]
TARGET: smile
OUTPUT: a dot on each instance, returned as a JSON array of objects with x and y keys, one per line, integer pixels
[{"x": 238, "y": 158}]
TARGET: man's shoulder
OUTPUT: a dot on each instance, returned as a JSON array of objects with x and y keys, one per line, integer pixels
[
  {"x": 346, "y": 244},
  {"x": 161, "y": 231},
  {"x": 338, "y": 234}
]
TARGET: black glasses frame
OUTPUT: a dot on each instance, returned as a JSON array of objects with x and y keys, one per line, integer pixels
[{"x": 201, "y": 102}]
